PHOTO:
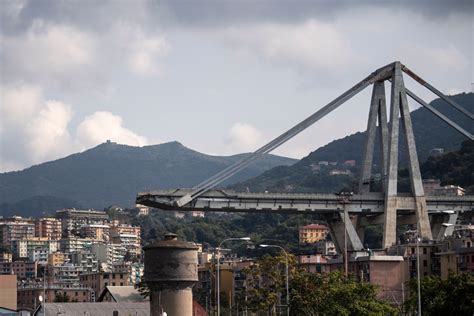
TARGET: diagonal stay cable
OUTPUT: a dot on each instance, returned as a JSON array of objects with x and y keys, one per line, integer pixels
[
  {"x": 439, "y": 114},
  {"x": 437, "y": 92},
  {"x": 380, "y": 74}
]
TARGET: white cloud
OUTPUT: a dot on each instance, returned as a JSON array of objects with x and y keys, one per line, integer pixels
[
  {"x": 34, "y": 129},
  {"x": 146, "y": 53},
  {"x": 435, "y": 59},
  {"x": 48, "y": 135},
  {"x": 101, "y": 126},
  {"x": 53, "y": 55},
  {"x": 310, "y": 45},
  {"x": 448, "y": 58},
  {"x": 243, "y": 137},
  {"x": 18, "y": 103},
  {"x": 142, "y": 51}
]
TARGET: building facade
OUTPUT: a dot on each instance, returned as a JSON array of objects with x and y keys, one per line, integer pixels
[
  {"x": 312, "y": 233},
  {"x": 48, "y": 227},
  {"x": 15, "y": 228}
]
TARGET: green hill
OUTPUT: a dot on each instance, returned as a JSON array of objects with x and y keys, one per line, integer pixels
[{"x": 112, "y": 174}]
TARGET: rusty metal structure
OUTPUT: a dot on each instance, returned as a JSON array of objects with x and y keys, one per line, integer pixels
[
  {"x": 388, "y": 208},
  {"x": 170, "y": 273}
]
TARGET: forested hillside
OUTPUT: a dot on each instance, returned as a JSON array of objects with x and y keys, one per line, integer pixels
[{"x": 311, "y": 175}]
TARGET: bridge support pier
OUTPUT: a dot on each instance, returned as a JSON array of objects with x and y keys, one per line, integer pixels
[
  {"x": 443, "y": 224},
  {"x": 336, "y": 228}
]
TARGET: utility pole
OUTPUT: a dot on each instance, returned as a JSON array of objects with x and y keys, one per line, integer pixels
[{"x": 344, "y": 200}]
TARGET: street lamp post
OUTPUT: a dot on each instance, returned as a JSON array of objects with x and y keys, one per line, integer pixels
[
  {"x": 218, "y": 270},
  {"x": 286, "y": 273},
  {"x": 44, "y": 291},
  {"x": 418, "y": 272}
]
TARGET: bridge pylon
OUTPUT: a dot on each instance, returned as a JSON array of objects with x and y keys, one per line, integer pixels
[{"x": 389, "y": 136}]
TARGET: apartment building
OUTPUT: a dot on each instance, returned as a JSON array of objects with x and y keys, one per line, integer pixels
[
  {"x": 56, "y": 258},
  {"x": 100, "y": 232},
  {"x": 28, "y": 295},
  {"x": 34, "y": 246},
  {"x": 24, "y": 269},
  {"x": 99, "y": 280},
  {"x": 48, "y": 227},
  {"x": 128, "y": 236},
  {"x": 15, "y": 228},
  {"x": 72, "y": 220},
  {"x": 73, "y": 244}
]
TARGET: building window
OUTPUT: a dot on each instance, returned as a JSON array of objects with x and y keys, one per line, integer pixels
[
  {"x": 413, "y": 250},
  {"x": 121, "y": 283},
  {"x": 113, "y": 283},
  {"x": 425, "y": 263},
  {"x": 424, "y": 251}
]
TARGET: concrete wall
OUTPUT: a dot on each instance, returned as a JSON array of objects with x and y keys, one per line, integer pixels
[{"x": 8, "y": 291}]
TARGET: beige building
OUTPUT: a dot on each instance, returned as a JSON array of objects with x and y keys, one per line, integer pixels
[
  {"x": 56, "y": 258},
  {"x": 317, "y": 263},
  {"x": 5, "y": 256},
  {"x": 128, "y": 236},
  {"x": 8, "y": 291},
  {"x": 98, "y": 232},
  {"x": 312, "y": 233},
  {"x": 388, "y": 273}
]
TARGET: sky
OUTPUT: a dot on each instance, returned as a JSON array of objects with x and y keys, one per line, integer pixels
[{"x": 221, "y": 77}]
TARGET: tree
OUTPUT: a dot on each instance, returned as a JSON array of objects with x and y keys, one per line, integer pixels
[
  {"x": 143, "y": 288},
  {"x": 453, "y": 296},
  {"x": 310, "y": 294},
  {"x": 334, "y": 294},
  {"x": 61, "y": 297},
  {"x": 265, "y": 282}
]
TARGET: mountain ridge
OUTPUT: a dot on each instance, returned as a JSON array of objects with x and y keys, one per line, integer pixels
[{"x": 111, "y": 174}]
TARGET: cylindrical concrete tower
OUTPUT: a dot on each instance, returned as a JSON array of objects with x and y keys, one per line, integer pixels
[{"x": 171, "y": 272}]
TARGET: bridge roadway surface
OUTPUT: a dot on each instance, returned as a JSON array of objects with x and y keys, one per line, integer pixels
[{"x": 231, "y": 201}]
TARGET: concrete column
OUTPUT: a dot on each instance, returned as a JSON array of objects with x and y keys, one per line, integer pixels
[
  {"x": 439, "y": 230},
  {"x": 383, "y": 130},
  {"x": 170, "y": 273},
  {"x": 390, "y": 220},
  {"x": 378, "y": 98},
  {"x": 414, "y": 168},
  {"x": 336, "y": 228}
]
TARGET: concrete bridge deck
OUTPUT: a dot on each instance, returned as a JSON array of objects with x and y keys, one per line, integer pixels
[{"x": 231, "y": 201}]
